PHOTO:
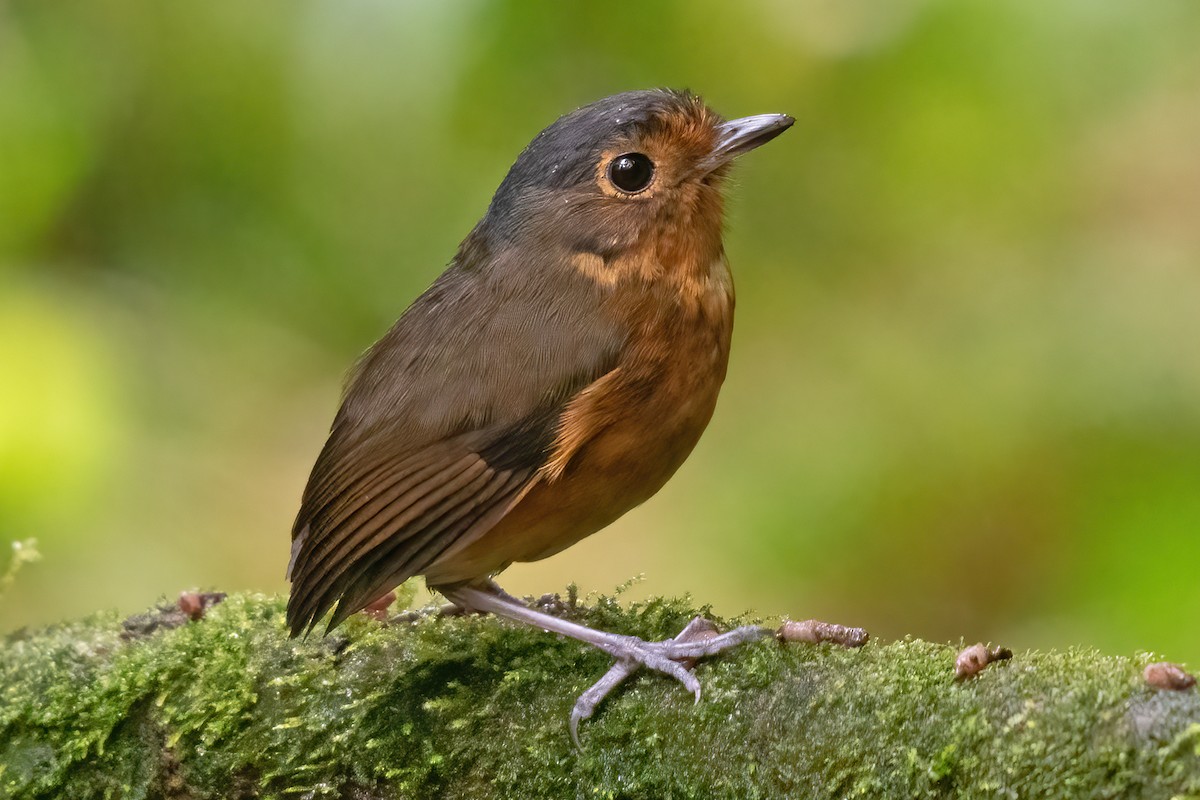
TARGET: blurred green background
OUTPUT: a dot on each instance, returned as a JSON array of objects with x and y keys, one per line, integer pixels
[{"x": 965, "y": 390}]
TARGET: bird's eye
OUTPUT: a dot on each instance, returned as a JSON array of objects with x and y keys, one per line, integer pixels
[{"x": 631, "y": 172}]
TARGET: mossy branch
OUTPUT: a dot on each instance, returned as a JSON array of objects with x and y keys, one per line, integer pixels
[{"x": 473, "y": 707}]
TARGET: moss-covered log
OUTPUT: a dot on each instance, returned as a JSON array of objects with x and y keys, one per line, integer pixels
[{"x": 473, "y": 707}]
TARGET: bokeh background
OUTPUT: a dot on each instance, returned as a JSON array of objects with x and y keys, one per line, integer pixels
[{"x": 965, "y": 391}]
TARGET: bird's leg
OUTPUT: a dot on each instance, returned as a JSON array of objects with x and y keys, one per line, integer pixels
[
  {"x": 630, "y": 652},
  {"x": 494, "y": 588},
  {"x": 456, "y": 609}
]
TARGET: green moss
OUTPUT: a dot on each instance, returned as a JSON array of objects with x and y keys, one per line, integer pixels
[{"x": 475, "y": 708}]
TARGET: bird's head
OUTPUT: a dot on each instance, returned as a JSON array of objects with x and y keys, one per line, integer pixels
[{"x": 604, "y": 178}]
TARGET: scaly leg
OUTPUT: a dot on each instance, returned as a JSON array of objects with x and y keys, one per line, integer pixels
[{"x": 630, "y": 652}]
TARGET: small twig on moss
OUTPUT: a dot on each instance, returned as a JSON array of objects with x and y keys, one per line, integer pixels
[
  {"x": 974, "y": 659},
  {"x": 1165, "y": 675},
  {"x": 814, "y": 631},
  {"x": 23, "y": 552}
]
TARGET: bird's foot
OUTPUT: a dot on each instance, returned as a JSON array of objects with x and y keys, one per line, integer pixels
[{"x": 674, "y": 657}]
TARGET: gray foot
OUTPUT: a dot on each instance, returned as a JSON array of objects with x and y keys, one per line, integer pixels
[{"x": 674, "y": 657}]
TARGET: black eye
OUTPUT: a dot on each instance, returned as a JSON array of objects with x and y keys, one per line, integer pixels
[{"x": 631, "y": 172}]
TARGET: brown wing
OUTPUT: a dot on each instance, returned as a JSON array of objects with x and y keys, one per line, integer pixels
[
  {"x": 445, "y": 424},
  {"x": 399, "y": 517}
]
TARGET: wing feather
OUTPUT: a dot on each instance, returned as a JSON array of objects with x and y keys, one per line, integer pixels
[
  {"x": 393, "y": 563},
  {"x": 370, "y": 521},
  {"x": 446, "y": 421},
  {"x": 381, "y": 485},
  {"x": 353, "y": 551}
]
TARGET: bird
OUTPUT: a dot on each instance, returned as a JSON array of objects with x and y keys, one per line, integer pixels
[{"x": 555, "y": 376}]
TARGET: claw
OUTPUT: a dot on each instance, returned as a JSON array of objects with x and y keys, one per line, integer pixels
[
  {"x": 587, "y": 703},
  {"x": 673, "y": 657}
]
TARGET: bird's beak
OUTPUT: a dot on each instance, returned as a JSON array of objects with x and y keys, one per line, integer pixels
[{"x": 742, "y": 135}]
